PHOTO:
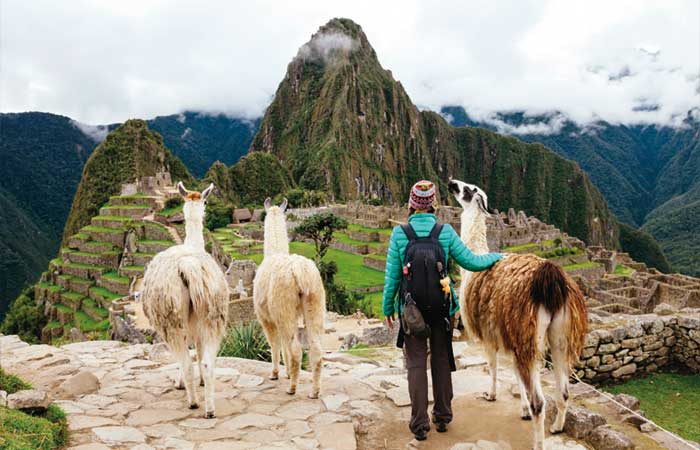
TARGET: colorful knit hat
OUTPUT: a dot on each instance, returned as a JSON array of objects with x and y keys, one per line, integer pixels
[{"x": 422, "y": 196}]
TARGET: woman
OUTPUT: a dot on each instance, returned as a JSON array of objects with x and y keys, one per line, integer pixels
[{"x": 421, "y": 223}]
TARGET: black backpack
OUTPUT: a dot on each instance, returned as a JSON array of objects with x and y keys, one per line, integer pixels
[{"x": 424, "y": 267}]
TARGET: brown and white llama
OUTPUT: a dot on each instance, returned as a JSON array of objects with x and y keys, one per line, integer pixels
[
  {"x": 185, "y": 297},
  {"x": 523, "y": 305},
  {"x": 287, "y": 287}
]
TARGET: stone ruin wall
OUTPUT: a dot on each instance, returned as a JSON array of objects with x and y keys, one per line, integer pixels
[{"x": 642, "y": 345}]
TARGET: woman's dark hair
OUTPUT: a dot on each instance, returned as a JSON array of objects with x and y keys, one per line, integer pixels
[{"x": 412, "y": 210}]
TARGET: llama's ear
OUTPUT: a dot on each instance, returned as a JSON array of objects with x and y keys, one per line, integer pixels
[
  {"x": 483, "y": 205},
  {"x": 181, "y": 189},
  {"x": 268, "y": 203},
  {"x": 207, "y": 191},
  {"x": 283, "y": 206}
]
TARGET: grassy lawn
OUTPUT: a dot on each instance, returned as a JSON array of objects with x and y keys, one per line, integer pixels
[
  {"x": 669, "y": 399},
  {"x": 385, "y": 231},
  {"x": 581, "y": 266},
  {"x": 529, "y": 247},
  {"x": 21, "y": 430},
  {"x": 621, "y": 269}
]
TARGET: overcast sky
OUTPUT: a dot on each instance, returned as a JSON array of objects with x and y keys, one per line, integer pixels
[{"x": 106, "y": 61}]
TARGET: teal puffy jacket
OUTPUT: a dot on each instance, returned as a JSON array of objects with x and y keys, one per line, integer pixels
[{"x": 451, "y": 243}]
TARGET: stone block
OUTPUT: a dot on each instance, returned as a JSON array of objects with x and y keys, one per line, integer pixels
[{"x": 605, "y": 438}]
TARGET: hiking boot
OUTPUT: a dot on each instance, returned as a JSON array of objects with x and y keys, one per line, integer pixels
[
  {"x": 441, "y": 427},
  {"x": 421, "y": 435}
]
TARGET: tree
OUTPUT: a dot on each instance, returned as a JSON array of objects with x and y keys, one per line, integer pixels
[
  {"x": 320, "y": 229},
  {"x": 24, "y": 318}
]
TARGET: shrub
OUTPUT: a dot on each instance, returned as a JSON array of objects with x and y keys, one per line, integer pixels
[
  {"x": 218, "y": 215},
  {"x": 173, "y": 202},
  {"x": 247, "y": 341},
  {"x": 11, "y": 384},
  {"x": 24, "y": 318}
]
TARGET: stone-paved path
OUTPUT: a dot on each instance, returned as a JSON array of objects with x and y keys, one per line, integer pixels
[{"x": 132, "y": 403}]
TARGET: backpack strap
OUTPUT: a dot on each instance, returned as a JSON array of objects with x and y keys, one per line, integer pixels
[
  {"x": 435, "y": 232},
  {"x": 410, "y": 232}
]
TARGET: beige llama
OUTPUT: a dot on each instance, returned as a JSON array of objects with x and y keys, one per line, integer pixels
[
  {"x": 287, "y": 287},
  {"x": 185, "y": 297}
]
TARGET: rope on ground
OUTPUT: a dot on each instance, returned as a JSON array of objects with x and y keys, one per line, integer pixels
[{"x": 646, "y": 419}]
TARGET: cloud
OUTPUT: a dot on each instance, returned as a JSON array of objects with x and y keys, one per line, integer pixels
[
  {"x": 96, "y": 132},
  {"x": 552, "y": 124},
  {"x": 322, "y": 45},
  {"x": 104, "y": 62}
]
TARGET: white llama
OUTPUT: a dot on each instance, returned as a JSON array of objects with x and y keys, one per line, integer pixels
[
  {"x": 287, "y": 287},
  {"x": 185, "y": 297},
  {"x": 523, "y": 305}
]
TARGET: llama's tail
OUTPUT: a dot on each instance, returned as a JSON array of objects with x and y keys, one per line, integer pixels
[
  {"x": 191, "y": 274},
  {"x": 549, "y": 288}
]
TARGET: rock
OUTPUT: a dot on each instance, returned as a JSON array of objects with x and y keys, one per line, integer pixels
[
  {"x": 119, "y": 435},
  {"x": 561, "y": 443},
  {"x": 93, "y": 446},
  {"x": 245, "y": 380},
  {"x": 83, "y": 382},
  {"x": 3, "y": 398},
  {"x": 629, "y": 369},
  {"x": 634, "y": 420},
  {"x": 80, "y": 422},
  {"x": 76, "y": 335},
  {"x": 647, "y": 427},
  {"x": 628, "y": 401},
  {"x": 399, "y": 395},
  {"x": 333, "y": 402},
  {"x": 581, "y": 421},
  {"x": 464, "y": 362},
  {"x": 160, "y": 352},
  {"x": 664, "y": 309},
  {"x": 462, "y": 446},
  {"x": 144, "y": 417},
  {"x": 605, "y": 438},
  {"x": 379, "y": 335},
  {"x": 253, "y": 420},
  {"x": 125, "y": 331},
  {"x": 339, "y": 436},
  {"x": 300, "y": 410},
  {"x": 349, "y": 341},
  {"x": 28, "y": 399}
]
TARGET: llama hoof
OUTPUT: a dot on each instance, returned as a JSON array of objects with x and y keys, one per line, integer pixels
[
  {"x": 291, "y": 391},
  {"x": 210, "y": 415},
  {"x": 180, "y": 387},
  {"x": 194, "y": 406},
  {"x": 526, "y": 416},
  {"x": 554, "y": 430},
  {"x": 274, "y": 377},
  {"x": 201, "y": 382},
  {"x": 313, "y": 395},
  {"x": 488, "y": 397}
]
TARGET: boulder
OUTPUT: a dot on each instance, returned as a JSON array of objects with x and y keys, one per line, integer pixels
[
  {"x": 76, "y": 335},
  {"x": 124, "y": 331},
  {"x": 605, "y": 438},
  {"x": 349, "y": 341},
  {"x": 3, "y": 398},
  {"x": 628, "y": 401},
  {"x": 664, "y": 309},
  {"x": 83, "y": 382},
  {"x": 379, "y": 335},
  {"x": 580, "y": 422},
  {"x": 28, "y": 399}
]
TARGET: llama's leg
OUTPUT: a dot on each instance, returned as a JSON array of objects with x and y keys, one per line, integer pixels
[
  {"x": 200, "y": 349},
  {"x": 492, "y": 359},
  {"x": 314, "y": 308},
  {"x": 524, "y": 403},
  {"x": 294, "y": 364},
  {"x": 537, "y": 403},
  {"x": 556, "y": 335},
  {"x": 187, "y": 375},
  {"x": 209, "y": 364},
  {"x": 273, "y": 339}
]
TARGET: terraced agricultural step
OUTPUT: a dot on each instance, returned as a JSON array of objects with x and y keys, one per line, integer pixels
[
  {"x": 131, "y": 271},
  {"x": 131, "y": 200},
  {"x": 110, "y": 221},
  {"x": 94, "y": 311},
  {"x": 106, "y": 259},
  {"x": 147, "y": 246},
  {"x": 131, "y": 211},
  {"x": 77, "y": 239},
  {"x": 87, "y": 325},
  {"x": 102, "y": 296},
  {"x": 72, "y": 299},
  {"x": 96, "y": 247},
  {"x": 75, "y": 284},
  {"x": 155, "y": 231},
  {"x": 105, "y": 234},
  {"x": 83, "y": 270},
  {"x": 141, "y": 259},
  {"x": 63, "y": 313},
  {"x": 115, "y": 283},
  {"x": 51, "y": 293}
]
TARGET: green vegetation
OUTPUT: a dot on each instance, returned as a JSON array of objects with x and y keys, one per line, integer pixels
[
  {"x": 24, "y": 318},
  {"x": 642, "y": 247},
  {"x": 106, "y": 293},
  {"x": 384, "y": 231},
  {"x": 247, "y": 342},
  {"x": 24, "y": 430},
  {"x": 320, "y": 228},
  {"x": 623, "y": 270},
  {"x": 675, "y": 226},
  {"x": 531, "y": 247},
  {"x": 362, "y": 351},
  {"x": 670, "y": 399},
  {"x": 584, "y": 265}
]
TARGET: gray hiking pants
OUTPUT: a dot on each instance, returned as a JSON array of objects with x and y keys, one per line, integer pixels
[{"x": 415, "y": 352}]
